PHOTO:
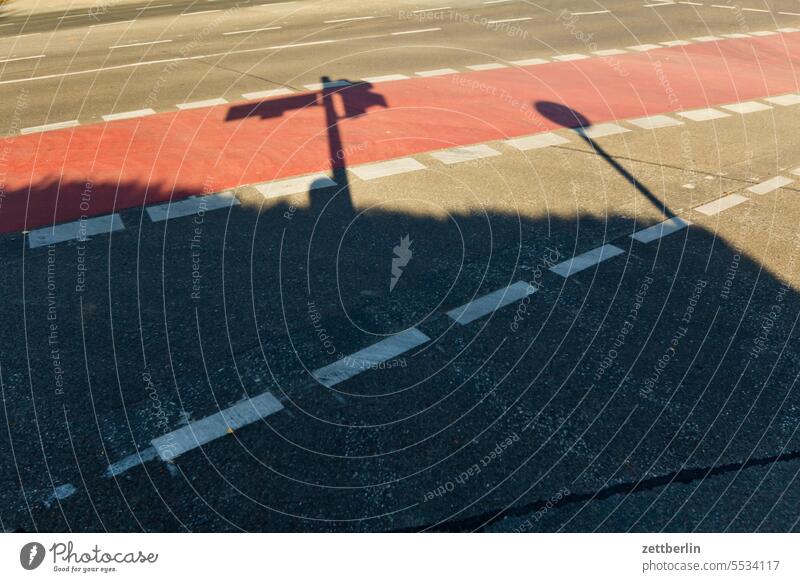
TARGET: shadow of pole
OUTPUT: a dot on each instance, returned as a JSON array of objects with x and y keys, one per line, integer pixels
[{"x": 574, "y": 120}]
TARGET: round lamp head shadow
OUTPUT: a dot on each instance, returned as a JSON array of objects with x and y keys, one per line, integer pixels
[{"x": 562, "y": 115}]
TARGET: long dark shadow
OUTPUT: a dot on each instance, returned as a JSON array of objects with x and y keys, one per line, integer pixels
[{"x": 579, "y": 123}]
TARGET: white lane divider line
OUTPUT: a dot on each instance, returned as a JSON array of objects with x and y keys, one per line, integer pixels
[
  {"x": 370, "y": 357},
  {"x": 493, "y": 301},
  {"x": 755, "y": 10},
  {"x": 199, "y": 12},
  {"x": 131, "y": 461},
  {"x": 539, "y": 140},
  {"x": 770, "y": 185},
  {"x": 77, "y": 230},
  {"x": 388, "y": 168},
  {"x": 128, "y": 114},
  {"x": 436, "y": 72},
  {"x": 588, "y": 259},
  {"x": 789, "y": 29},
  {"x": 706, "y": 38},
  {"x": 148, "y": 43},
  {"x": 660, "y": 230},
  {"x": 529, "y": 62},
  {"x": 327, "y": 85},
  {"x": 746, "y": 107},
  {"x": 736, "y": 35},
  {"x": 796, "y": 171},
  {"x": 59, "y": 493},
  {"x": 417, "y": 31},
  {"x": 590, "y": 13},
  {"x": 191, "y": 206},
  {"x": 721, "y": 204},
  {"x": 15, "y": 59},
  {"x": 204, "y": 103},
  {"x": 706, "y": 114},
  {"x": 352, "y": 19},
  {"x": 251, "y": 30},
  {"x": 49, "y": 127},
  {"x": 640, "y": 48},
  {"x": 763, "y": 32},
  {"x": 570, "y": 57},
  {"x": 385, "y": 78},
  {"x": 487, "y": 66},
  {"x": 464, "y": 154},
  {"x": 267, "y": 93},
  {"x": 655, "y": 122},
  {"x": 201, "y": 432},
  {"x": 295, "y": 185},
  {"x": 521, "y": 19},
  {"x": 299, "y": 44},
  {"x": 610, "y": 52},
  {"x": 111, "y": 23},
  {"x": 423, "y": 10},
  {"x": 785, "y": 100},
  {"x": 676, "y": 43},
  {"x": 601, "y": 130}
]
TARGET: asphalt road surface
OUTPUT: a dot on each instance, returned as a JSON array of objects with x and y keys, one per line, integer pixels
[{"x": 399, "y": 266}]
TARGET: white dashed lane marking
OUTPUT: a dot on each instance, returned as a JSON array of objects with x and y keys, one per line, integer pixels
[
  {"x": 644, "y": 47},
  {"x": 770, "y": 185},
  {"x": 389, "y": 168},
  {"x": 570, "y": 57},
  {"x": 252, "y": 30},
  {"x": 77, "y": 230},
  {"x": 436, "y": 72},
  {"x": 267, "y": 93},
  {"x": 464, "y": 154},
  {"x": 128, "y": 114},
  {"x": 721, "y": 204},
  {"x": 747, "y": 107},
  {"x": 785, "y": 100},
  {"x": 586, "y": 260},
  {"x": 295, "y": 185},
  {"x": 418, "y": 31},
  {"x": 602, "y": 130},
  {"x": 703, "y": 114},
  {"x": 529, "y": 62},
  {"x": 540, "y": 140},
  {"x": 385, "y": 78},
  {"x": 660, "y": 230},
  {"x": 369, "y": 357},
  {"x": 487, "y": 66},
  {"x": 195, "y": 434},
  {"x": 676, "y": 43},
  {"x": 495, "y": 300},
  {"x": 204, "y": 103},
  {"x": 49, "y": 127},
  {"x": 131, "y": 461},
  {"x": 327, "y": 85},
  {"x": 13, "y": 60},
  {"x": 148, "y": 43},
  {"x": 610, "y": 52},
  {"x": 655, "y": 122},
  {"x": 190, "y": 206}
]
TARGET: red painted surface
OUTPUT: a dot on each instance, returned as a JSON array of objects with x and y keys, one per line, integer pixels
[{"x": 126, "y": 164}]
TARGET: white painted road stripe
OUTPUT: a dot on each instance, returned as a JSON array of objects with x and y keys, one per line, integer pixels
[
  {"x": 204, "y": 103},
  {"x": 251, "y": 30},
  {"x": 493, "y": 301},
  {"x": 49, "y": 127},
  {"x": 487, "y": 66},
  {"x": 464, "y": 154},
  {"x": 78, "y": 230},
  {"x": 117, "y": 46},
  {"x": 586, "y": 260},
  {"x": 655, "y": 122},
  {"x": 327, "y": 85},
  {"x": 747, "y": 107},
  {"x": 796, "y": 171},
  {"x": 131, "y": 461},
  {"x": 266, "y": 94},
  {"x": 436, "y": 72},
  {"x": 570, "y": 57},
  {"x": 128, "y": 114},
  {"x": 431, "y": 9},
  {"x": 190, "y": 206},
  {"x": 415, "y": 31},
  {"x": 610, "y": 52},
  {"x": 785, "y": 100},
  {"x": 510, "y": 20},
  {"x": 372, "y": 356},
  {"x": 721, "y": 204},
  {"x": 676, "y": 43},
  {"x": 540, "y": 140},
  {"x": 10, "y": 60},
  {"x": 195, "y": 434},
  {"x": 706, "y": 38},
  {"x": 640, "y": 48},
  {"x": 348, "y": 19},
  {"x": 590, "y": 13},
  {"x": 763, "y": 33},
  {"x": 703, "y": 114},
  {"x": 601, "y": 130},
  {"x": 385, "y": 78},
  {"x": 389, "y": 168},
  {"x": 770, "y": 185},
  {"x": 661, "y": 229},
  {"x": 295, "y": 185},
  {"x": 529, "y": 62}
]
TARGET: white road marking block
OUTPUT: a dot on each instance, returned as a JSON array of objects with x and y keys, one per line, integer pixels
[
  {"x": 131, "y": 461},
  {"x": 77, "y": 230},
  {"x": 571, "y": 57},
  {"x": 676, "y": 42},
  {"x": 644, "y": 47},
  {"x": 436, "y": 72},
  {"x": 788, "y": 29},
  {"x": 464, "y": 154},
  {"x": 529, "y": 62},
  {"x": 796, "y": 171},
  {"x": 747, "y": 107},
  {"x": 372, "y": 356},
  {"x": 736, "y": 34},
  {"x": 770, "y": 185},
  {"x": 327, "y": 85},
  {"x": 295, "y": 185},
  {"x": 655, "y": 122},
  {"x": 721, "y": 204},
  {"x": 267, "y": 93},
  {"x": 487, "y": 66},
  {"x": 48, "y": 127},
  {"x": 763, "y": 32},
  {"x": 191, "y": 206},
  {"x": 128, "y": 114},
  {"x": 389, "y": 168},
  {"x": 706, "y": 38},
  {"x": 493, "y": 301},
  {"x": 703, "y": 114},
  {"x": 195, "y": 434},
  {"x": 785, "y": 100},
  {"x": 586, "y": 260},
  {"x": 418, "y": 31},
  {"x": 384, "y": 78},
  {"x": 601, "y": 130},
  {"x": 660, "y": 230},
  {"x": 204, "y": 103},
  {"x": 539, "y": 140},
  {"x": 610, "y": 52}
]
